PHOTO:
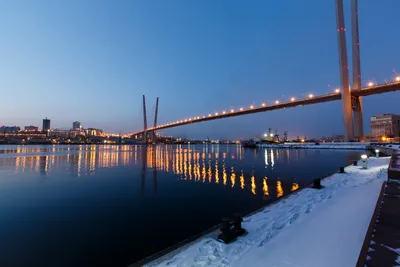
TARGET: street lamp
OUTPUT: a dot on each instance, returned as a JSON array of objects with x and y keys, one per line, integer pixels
[
  {"x": 364, "y": 159},
  {"x": 370, "y": 84},
  {"x": 377, "y": 153}
]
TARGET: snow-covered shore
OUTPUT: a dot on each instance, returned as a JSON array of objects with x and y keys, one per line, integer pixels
[
  {"x": 355, "y": 146},
  {"x": 309, "y": 228}
]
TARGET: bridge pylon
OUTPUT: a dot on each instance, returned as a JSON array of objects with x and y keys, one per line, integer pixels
[
  {"x": 356, "y": 101},
  {"x": 144, "y": 121},
  {"x": 344, "y": 73}
]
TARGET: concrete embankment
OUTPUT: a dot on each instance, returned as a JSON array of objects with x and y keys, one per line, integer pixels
[{"x": 343, "y": 145}]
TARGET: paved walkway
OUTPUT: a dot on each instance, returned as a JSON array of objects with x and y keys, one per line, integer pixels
[{"x": 382, "y": 244}]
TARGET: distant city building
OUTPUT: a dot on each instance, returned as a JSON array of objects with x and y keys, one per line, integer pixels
[
  {"x": 337, "y": 138},
  {"x": 46, "y": 124},
  {"x": 93, "y": 132},
  {"x": 31, "y": 128},
  {"x": 76, "y": 125},
  {"x": 9, "y": 129}
]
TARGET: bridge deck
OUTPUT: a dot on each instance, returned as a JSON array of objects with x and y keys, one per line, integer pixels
[{"x": 378, "y": 89}]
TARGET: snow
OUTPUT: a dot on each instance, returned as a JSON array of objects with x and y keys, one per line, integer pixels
[
  {"x": 353, "y": 145},
  {"x": 309, "y": 228}
]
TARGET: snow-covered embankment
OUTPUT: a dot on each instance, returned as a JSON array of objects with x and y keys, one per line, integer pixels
[{"x": 309, "y": 228}]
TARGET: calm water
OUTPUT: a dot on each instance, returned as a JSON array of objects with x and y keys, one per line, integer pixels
[{"x": 114, "y": 205}]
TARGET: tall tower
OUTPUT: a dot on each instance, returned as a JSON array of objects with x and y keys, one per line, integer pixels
[
  {"x": 144, "y": 121},
  {"x": 155, "y": 120},
  {"x": 355, "y": 44},
  {"x": 344, "y": 72}
]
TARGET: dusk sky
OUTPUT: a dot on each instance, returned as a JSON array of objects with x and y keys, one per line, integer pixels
[{"x": 92, "y": 61}]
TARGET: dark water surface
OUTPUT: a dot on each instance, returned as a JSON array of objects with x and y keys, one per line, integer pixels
[{"x": 114, "y": 205}]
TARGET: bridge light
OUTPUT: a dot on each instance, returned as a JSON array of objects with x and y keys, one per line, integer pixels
[
  {"x": 370, "y": 84},
  {"x": 292, "y": 99},
  {"x": 310, "y": 95},
  {"x": 397, "y": 79},
  {"x": 277, "y": 102},
  {"x": 216, "y": 113},
  {"x": 251, "y": 107},
  {"x": 209, "y": 115},
  {"x": 241, "y": 109},
  {"x": 185, "y": 120},
  {"x": 204, "y": 117},
  {"x": 263, "y": 104},
  {"x": 223, "y": 112},
  {"x": 232, "y": 110},
  {"x": 337, "y": 91}
]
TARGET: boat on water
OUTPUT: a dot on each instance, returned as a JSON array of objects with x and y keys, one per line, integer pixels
[{"x": 249, "y": 143}]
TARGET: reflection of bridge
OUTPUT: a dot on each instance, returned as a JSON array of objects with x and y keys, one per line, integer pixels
[
  {"x": 310, "y": 100},
  {"x": 188, "y": 164},
  {"x": 351, "y": 99}
]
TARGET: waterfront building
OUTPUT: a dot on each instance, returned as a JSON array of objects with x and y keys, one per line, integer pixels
[
  {"x": 31, "y": 128},
  {"x": 93, "y": 132},
  {"x": 64, "y": 134},
  {"x": 46, "y": 125},
  {"x": 384, "y": 127}
]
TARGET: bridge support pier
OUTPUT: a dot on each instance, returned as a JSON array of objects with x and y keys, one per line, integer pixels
[
  {"x": 358, "y": 119},
  {"x": 344, "y": 73}
]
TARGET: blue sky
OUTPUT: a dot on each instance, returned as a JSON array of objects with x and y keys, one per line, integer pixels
[{"x": 92, "y": 60}]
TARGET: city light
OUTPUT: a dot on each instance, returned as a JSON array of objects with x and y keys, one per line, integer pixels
[
  {"x": 292, "y": 99},
  {"x": 337, "y": 90},
  {"x": 370, "y": 84},
  {"x": 277, "y": 102},
  {"x": 397, "y": 79},
  {"x": 310, "y": 95},
  {"x": 265, "y": 135}
]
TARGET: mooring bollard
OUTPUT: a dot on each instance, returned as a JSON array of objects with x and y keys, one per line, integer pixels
[
  {"x": 341, "y": 170},
  {"x": 355, "y": 163},
  {"x": 377, "y": 153},
  {"x": 237, "y": 224},
  {"x": 226, "y": 233},
  {"x": 317, "y": 184}
]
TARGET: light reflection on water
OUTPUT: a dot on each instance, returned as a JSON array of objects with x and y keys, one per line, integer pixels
[{"x": 189, "y": 163}]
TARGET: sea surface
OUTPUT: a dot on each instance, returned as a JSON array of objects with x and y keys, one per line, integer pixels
[{"x": 114, "y": 205}]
